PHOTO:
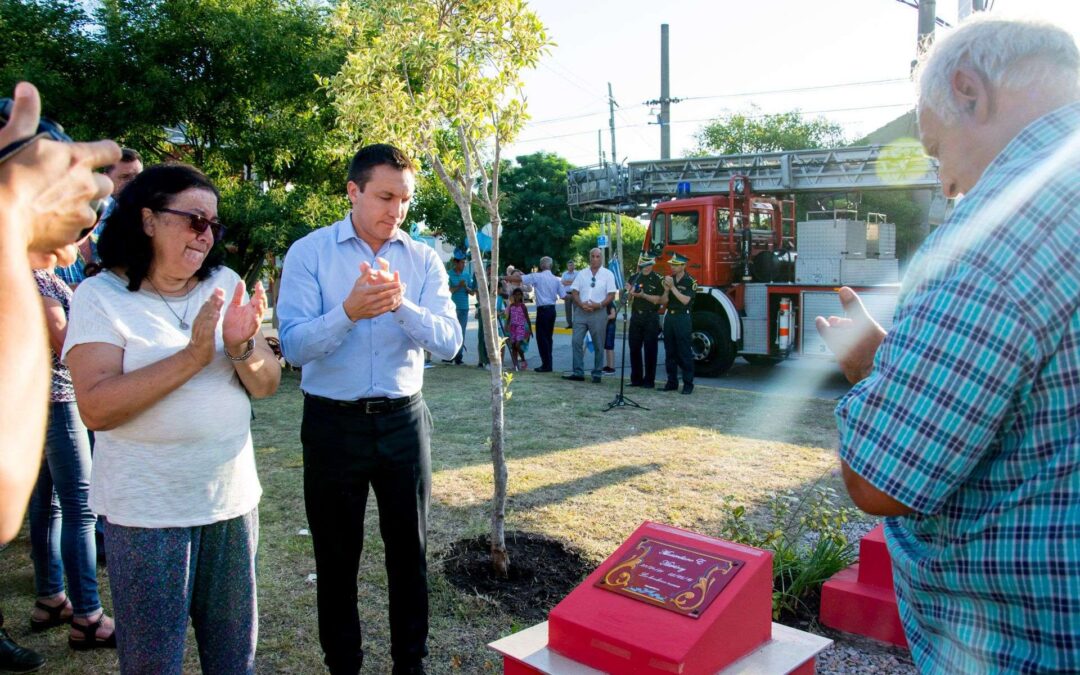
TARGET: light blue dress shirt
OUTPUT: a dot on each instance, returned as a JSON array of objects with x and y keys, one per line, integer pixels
[
  {"x": 381, "y": 356},
  {"x": 546, "y": 285}
]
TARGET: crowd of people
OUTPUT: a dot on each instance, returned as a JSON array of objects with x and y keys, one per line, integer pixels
[
  {"x": 593, "y": 303},
  {"x": 961, "y": 427}
]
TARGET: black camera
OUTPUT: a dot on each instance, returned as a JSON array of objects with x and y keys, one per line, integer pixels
[{"x": 53, "y": 131}]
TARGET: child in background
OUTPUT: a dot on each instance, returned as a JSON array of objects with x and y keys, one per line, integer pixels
[
  {"x": 519, "y": 328},
  {"x": 609, "y": 340}
]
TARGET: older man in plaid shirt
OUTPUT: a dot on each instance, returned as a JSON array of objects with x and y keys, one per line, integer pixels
[{"x": 964, "y": 424}]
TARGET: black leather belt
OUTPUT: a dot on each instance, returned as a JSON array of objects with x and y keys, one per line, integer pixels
[{"x": 369, "y": 406}]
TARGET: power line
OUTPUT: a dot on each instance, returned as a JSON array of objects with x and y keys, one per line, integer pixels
[
  {"x": 840, "y": 85},
  {"x": 797, "y": 90},
  {"x": 710, "y": 119}
]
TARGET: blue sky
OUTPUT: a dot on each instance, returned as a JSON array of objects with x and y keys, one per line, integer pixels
[{"x": 846, "y": 60}]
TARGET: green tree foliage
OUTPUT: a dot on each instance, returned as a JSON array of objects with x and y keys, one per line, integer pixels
[
  {"x": 898, "y": 207},
  {"x": 753, "y": 131},
  {"x": 227, "y": 85},
  {"x": 440, "y": 79},
  {"x": 46, "y": 42},
  {"x": 536, "y": 221},
  {"x": 584, "y": 240},
  {"x": 433, "y": 206}
]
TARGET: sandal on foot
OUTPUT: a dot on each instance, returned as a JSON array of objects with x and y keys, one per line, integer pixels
[
  {"x": 90, "y": 639},
  {"x": 56, "y": 616}
]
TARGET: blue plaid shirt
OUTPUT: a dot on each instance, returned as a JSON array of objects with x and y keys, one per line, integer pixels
[{"x": 971, "y": 418}]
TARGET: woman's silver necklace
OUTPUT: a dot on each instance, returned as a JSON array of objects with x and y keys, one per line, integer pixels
[{"x": 181, "y": 321}]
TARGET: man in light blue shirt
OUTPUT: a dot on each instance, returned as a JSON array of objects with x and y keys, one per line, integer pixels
[
  {"x": 548, "y": 288},
  {"x": 360, "y": 303}
]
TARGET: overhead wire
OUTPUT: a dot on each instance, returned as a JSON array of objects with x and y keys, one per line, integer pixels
[
  {"x": 793, "y": 90},
  {"x": 709, "y": 119}
]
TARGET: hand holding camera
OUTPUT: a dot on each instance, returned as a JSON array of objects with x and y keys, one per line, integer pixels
[{"x": 48, "y": 182}]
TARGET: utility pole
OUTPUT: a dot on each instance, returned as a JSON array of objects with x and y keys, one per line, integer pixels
[
  {"x": 665, "y": 95},
  {"x": 967, "y": 7},
  {"x": 611, "y": 123},
  {"x": 615, "y": 160},
  {"x": 927, "y": 16},
  {"x": 665, "y": 100}
]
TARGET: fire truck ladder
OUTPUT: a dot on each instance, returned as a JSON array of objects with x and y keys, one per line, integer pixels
[{"x": 634, "y": 187}]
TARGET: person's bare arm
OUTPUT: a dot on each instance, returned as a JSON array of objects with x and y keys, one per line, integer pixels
[
  {"x": 45, "y": 190},
  {"x": 24, "y": 388},
  {"x": 869, "y": 498},
  {"x": 55, "y": 324},
  {"x": 108, "y": 396}
]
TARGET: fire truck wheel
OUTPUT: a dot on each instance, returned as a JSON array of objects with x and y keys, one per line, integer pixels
[{"x": 714, "y": 352}]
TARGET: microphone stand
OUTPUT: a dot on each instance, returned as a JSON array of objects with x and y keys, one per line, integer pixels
[{"x": 621, "y": 401}]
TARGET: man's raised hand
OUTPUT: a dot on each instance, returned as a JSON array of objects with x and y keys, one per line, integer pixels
[{"x": 854, "y": 339}]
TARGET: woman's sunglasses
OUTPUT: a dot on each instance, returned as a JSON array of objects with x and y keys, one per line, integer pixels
[{"x": 198, "y": 223}]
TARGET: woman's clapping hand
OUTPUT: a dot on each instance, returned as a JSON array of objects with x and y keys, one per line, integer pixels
[
  {"x": 242, "y": 320},
  {"x": 204, "y": 327}
]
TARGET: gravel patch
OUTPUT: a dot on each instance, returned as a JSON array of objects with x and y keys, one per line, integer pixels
[{"x": 855, "y": 654}]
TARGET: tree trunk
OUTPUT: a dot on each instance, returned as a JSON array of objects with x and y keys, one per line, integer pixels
[{"x": 485, "y": 292}]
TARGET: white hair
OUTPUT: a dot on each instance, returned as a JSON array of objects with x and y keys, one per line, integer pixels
[
  {"x": 545, "y": 263},
  {"x": 1015, "y": 53}
]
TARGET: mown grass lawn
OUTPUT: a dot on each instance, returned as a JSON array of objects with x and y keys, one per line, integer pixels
[{"x": 576, "y": 473}]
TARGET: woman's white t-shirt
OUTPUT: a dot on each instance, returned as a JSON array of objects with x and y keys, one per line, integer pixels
[{"x": 187, "y": 460}]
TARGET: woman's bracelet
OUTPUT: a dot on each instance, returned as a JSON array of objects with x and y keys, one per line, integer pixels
[{"x": 247, "y": 352}]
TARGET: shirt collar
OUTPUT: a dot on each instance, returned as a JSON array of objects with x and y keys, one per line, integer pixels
[
  {"x": 344, "y": 230},
  {"x": 1050, "y": 129}
]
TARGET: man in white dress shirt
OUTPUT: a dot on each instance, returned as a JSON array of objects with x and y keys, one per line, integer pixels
[{"x": 592, "y": 290}]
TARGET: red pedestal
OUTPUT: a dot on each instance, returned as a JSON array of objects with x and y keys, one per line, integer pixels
[
  {"x": 861, "y": 599},
  {"x": 618, "y": 634}
]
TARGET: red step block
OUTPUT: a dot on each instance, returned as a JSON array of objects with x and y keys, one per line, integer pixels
[{"x": 861, "y": 599}]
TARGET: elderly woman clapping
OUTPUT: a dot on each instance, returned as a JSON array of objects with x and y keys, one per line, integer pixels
[{"x": 163, "y": 367}]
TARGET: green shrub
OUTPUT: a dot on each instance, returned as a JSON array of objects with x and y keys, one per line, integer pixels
[{"x": 804, "y": 532}]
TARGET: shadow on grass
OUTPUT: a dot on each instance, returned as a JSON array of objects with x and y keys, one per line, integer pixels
[{"x": 546, "y": 414}]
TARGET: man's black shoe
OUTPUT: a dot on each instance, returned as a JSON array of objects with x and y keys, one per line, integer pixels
[
  {"x": 458, "y": 363},
  {"x": 541, "y": 370},
  {"x": 687, "y": 388},
  {"x": 415, "y": 669},
  {"x": 575, "y": 378},
  {"x": 15, "y": 659},
  {"x": 596, "y": 379},
  {"x": 671, "y": 386},
  {"x": 448, "y": 360}
]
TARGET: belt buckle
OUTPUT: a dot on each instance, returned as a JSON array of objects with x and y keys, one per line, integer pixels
[{"x": 372, "y": 407}]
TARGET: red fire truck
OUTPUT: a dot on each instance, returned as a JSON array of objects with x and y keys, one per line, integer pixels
[{"x": 762, "y": 276}]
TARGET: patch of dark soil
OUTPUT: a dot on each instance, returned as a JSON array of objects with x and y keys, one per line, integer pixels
[{"x": 542, "y": 572}]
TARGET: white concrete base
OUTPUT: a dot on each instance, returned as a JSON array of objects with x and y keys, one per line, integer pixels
[{"x": 787, "y": 650}]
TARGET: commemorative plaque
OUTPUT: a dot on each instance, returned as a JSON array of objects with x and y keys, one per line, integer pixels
[
  {"x": 667, "y": 600},
  {"x": 677, "y": 578}
]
